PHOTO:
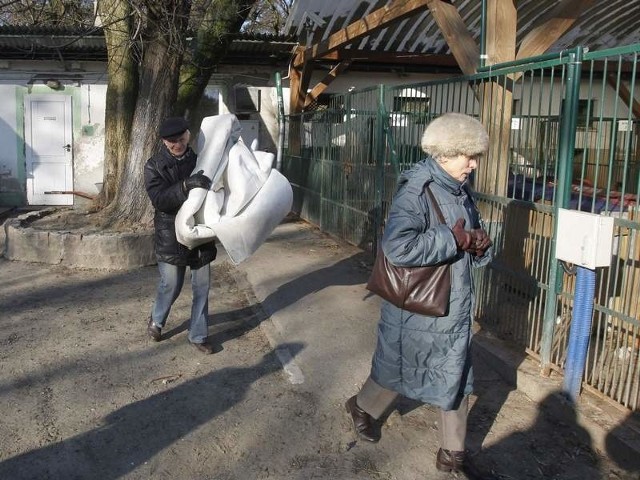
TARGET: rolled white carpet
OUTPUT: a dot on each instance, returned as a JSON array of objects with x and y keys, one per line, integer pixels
[{"x": 247, "y": 198}]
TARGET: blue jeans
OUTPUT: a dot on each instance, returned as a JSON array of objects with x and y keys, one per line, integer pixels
[{"x": 169, "y": 287}]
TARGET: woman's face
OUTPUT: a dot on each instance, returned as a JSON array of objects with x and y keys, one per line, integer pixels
[{"x": 459, "y": 167}]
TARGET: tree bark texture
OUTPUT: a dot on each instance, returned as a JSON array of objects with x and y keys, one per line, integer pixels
[
  {"x": 146, "y": 43},
  {"x": 122, "y": 92},
  {"x": 160, "y": 43},
  {"x": 222, "y": 18},
  {"x": 162, "y": 48}
]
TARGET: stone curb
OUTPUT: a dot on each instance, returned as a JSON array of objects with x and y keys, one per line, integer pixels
[{"x": 99, "y": 251}]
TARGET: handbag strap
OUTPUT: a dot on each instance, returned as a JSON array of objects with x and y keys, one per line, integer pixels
[{"x": 436, "y": 206}]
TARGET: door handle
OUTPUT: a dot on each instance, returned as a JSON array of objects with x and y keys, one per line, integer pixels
[{"x": 67, "y": 147}]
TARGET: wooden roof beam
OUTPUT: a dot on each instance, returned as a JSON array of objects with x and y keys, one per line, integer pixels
[
  {"x": 377, "y": 20},
  {"x": 551, "y": 27},
  {"x": 325, "y": 82},
  {"x": 299, "y": 79},
  {"x": 389, "y": 57},
  {"x": 455, "y": 32},
  {"x": 624, "y": 93}
]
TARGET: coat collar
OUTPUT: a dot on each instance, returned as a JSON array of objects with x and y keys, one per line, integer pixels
[
  {"x": 168, "y": 158},
  {"x": 429, "y": 170},
  {"x": 443, "y": 179}
]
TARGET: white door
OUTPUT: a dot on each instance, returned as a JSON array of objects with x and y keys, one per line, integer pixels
[{"x": 48, "y": 149}]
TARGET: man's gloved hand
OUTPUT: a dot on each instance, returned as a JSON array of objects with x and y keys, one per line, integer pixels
[
  {"x": 197, "y": 180},
  {"x": 482, "y": 242},
  {"x": 464, "y": 239}
]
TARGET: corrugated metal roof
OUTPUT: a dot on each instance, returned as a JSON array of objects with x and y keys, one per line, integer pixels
[
  {"x": 27, "y": 42},
  {"x": 260, "y": 49},
  {"x": 607, "y": 23}
]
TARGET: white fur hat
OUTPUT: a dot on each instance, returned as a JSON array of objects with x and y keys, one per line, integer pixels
[{"x": 454, "y": 134}]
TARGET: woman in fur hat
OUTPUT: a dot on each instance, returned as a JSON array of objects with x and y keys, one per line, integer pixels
[{"x": 428, "y": 358}]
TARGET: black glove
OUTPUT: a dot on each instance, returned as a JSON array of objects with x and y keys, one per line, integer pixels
[
  {"x": 197, "y": 180},
  {"x": 464, "y": 239}
]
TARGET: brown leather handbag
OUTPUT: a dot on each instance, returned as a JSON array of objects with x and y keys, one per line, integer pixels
[{"x": 423, "y": 290}]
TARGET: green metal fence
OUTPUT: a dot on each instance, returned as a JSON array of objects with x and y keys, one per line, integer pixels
[{"x": 565, "y": 129}]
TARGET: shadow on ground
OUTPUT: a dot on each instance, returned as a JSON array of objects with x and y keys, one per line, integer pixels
[{"x": 133, "y": 434}]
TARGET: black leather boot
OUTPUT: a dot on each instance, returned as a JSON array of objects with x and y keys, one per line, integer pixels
[
  {"x": 450, "y": 460},
  {"x": 362, "y": 421},
  {"x": 154, "y": 331}
]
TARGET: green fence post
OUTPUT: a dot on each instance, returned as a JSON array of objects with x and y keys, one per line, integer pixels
[
  {"x": 281, "y": 123},
  {"x": 566, "y": 148},
  {"x": 321, "y": 203},
  {"x": 379, "y": 152}
]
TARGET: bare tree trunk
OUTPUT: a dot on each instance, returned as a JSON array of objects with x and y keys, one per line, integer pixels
[
  {"x": 156, "y": 96},
  {"x": 122, "y": 92},
  {"x": 141, "y": 93}
]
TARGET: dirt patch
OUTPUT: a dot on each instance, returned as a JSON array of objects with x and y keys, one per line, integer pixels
[
  {"x": 71, "y": 220},
  {"x": 87, "y": 395}
]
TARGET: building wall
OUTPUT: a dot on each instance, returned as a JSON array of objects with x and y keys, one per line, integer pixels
[
  {"x": 88, "y": 141},
  {"x": 87, "y": 88},
  {"x": 11, "y": 150},
  {"x": 85, "y": 83}
]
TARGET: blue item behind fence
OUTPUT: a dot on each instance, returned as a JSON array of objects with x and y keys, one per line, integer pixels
[{"x": 580, "y": 331}]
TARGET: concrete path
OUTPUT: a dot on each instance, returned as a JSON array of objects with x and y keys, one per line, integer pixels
[{"x": 312, "y": 288}]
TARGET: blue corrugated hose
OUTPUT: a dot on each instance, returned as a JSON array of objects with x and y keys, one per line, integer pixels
[{"x": 580, "y": 331}]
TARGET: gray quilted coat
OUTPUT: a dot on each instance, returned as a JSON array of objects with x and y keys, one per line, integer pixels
[{"x": 428, "y": 358}]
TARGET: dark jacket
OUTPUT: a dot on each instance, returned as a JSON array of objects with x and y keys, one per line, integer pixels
[
  {"x": 428, "y": 358},
  {"x": 163, "y": 176}
]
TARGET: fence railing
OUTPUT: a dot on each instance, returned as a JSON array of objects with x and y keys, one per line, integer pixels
[{"x": 564, "y": 132}]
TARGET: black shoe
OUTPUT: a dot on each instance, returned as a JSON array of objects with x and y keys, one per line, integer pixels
[
  {"x": 154, "y": 331},
  {"x": 450, "y": 460},
  {"x": 204, "y": 347},
  {"x": 362, "y": 421}
]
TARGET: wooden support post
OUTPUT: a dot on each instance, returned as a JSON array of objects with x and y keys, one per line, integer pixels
[
  {"x": 497, "y": 100},
  {"x": 299, "y": 78}
]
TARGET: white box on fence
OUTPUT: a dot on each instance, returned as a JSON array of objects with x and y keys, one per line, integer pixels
[{"x": 584, "y": 239}]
